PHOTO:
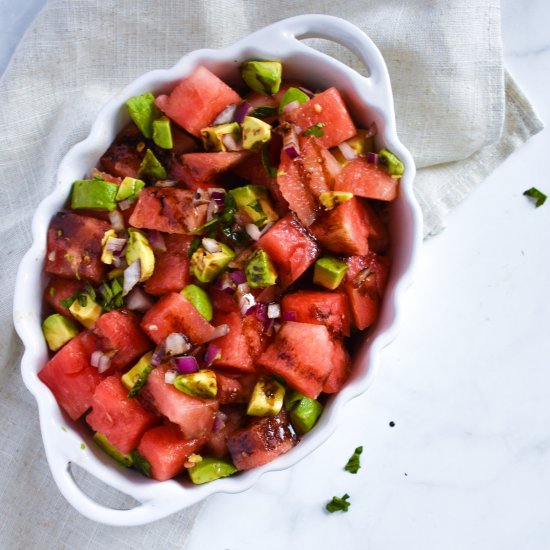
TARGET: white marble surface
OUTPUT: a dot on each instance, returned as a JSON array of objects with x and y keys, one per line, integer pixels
[{"x": 467, "y": 464}]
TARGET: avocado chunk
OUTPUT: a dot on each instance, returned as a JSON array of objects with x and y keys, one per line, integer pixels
[
  {"x": 291, "y": 95},
  {"x": 260, "y": 271},
  {"x": 212, "y": 136},
  {"x": 162, "y": 133},
  {"x": 129, "y": 189},
  {"x": 267, "y": 397},
  {"x": 209, "y": 260},
  {"x": 102, "y": 441},
  {"x": 58, "y": 330},
  {"x": 256, "y": 132},
  {"x": 253, "y": 200},
  {"x": 151, "y": 168},
  {"x": 135, "y": 378},
  {"x": 107, "y": 255},
  {"x": 391, "y": 162},
  {"x": 263, "y": 77},
  {"x": 200, "y": 300},
  {"x": 331, "y": 199},
  {"x": 85, "y": 310},
  {"x": 304, "y": 412},
  {"x": 138, "y": 248},
  {"x": 143, "y": 112},
  {"x": 202, "y": 384},
  {"x": 93, "y": 195},
  {"x": 329, "y": 272},
  {"x": 210, "y": 469}
]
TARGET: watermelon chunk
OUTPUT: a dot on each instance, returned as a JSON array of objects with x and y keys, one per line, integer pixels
[
  {"x": 344, "y": 229},
  {"x": 119, "y": 330},
  {"x": 262, "y": 441},
  {"x": 290, "y": 247},
  {"x": 122, "y": 159},
  {"x": 368, "y": 180},
  {"x": 194, "y": 416},
  {"x": 378, "y": 233},
  {"x": 60, "y": 289},
  {"x": 196, "y": 101},
  {"x": 222, "y": 301},
  {"x": 233, "y": 346},
  {"x": 200, "y": 168},
  {"x": 229, "y": 419},
  {"x": 311, "y": 162},
  {"x": 340, "y": 369},
  {"x": 173, "y": 313},
  {"x": 327, "y": 108},
  {"x": 119, "y": 417},
  {"x": 168, "y": 209},
  {"x": 301, "y": 354},
  {"x": 70, "y": 377},
  {"x": 74, "y": 247},
  {"x": 235, "y": 388},
  {"x": 320, "y": 308},
  {"x": 165, "y": 448},
  {"x": 171, "y": 272}
]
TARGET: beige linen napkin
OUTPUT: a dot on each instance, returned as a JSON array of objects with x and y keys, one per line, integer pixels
[{"x": 452, "y": 101}]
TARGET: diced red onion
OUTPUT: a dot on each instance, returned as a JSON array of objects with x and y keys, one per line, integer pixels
[
  {"x": 238, "y": 276},
  {"x": 176, "y": 343},
  {"x": 261, "y": 311},
  {"x": 242, "y": 110},
  {"x": 219, "y": 422},
  {"x": 156, "y": 240},
  {"x": 138, "y": 300},
  {"x": 219, "y": 331},
  {"x": 125, "y": 204},
  {"x": 268, "y": 324},
  {"x": 117, "y": 220},
  {"x": 253, "y": 231},
  {"x": 170, "y": 376},
  {"x": 267, "y": 227},
  {"x": 309, "y": 93},
  {"x": 115, "y": 244},
  {"x": 158, "y": 356},
  {"x": 291, "y": 106},
  {"x": 119, "y": 261},
  {"x": 372, "y": 157},
  {"x": 291, "y": 152},
  {"x": 290, "y": 140},
  {"x": 347, "y": 151},
  {"x": 289, "y": 316},
  {"x": 218, "y": 196},
  {"x": 231, "y": 144},
  {"x": 101, "y": 361},
  {"x": 225, "y": 283},
  {"x": 211, "y": 245},
  {"x": 246, "y": 301},
  {"x": 273, "y": 311},
  {"x": 226, "y": 115},
  {"x": 211, "y": 210},
  {"x": 186, "y": 364},
  {"x": 213, "y": 352},
  {"x": 132, "y": 275}
]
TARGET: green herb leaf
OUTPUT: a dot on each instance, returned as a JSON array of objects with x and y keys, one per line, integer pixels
[
  {"x": 68, "y": 302},
  {"x": 265, "y": 111},
  {"x": 140, "y": 464},
  {"x": 354, "y": 462},
  {"x": 110, "y": 295},
  {"x": 315, "y": 130},
  {"x": 82, "y": 299},
  {"x": 338, "y": 504},
  {"x": 539, "y": 196},
  {"x": 271, "y": 170},
  {"x": 140, "y": 382},
  {"x": 195, "y": 244}
]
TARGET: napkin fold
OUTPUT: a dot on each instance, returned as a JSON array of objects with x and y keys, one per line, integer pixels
[{"x": 457, "y": 112}]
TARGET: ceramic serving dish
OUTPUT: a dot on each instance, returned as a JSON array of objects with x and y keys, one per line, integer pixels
[{"x": 369, "y": 99}]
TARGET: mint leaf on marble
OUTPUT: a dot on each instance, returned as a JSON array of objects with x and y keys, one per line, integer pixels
[
  {"x": 539, "y": 196},
  {"x": 354, "y": 462},
  {"x": 338, "y": 504}
]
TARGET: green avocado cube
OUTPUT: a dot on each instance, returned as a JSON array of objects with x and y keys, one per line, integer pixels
[
  {"x": 143, "y": 111},
  {"x": 263, "y": 77},
  {"x": 135, "y": 378},
  {"x": 393, "y": 165},
  {"x": 205, "y": 264},
  {"x": 200, "y": 300},
  {"x": 260, "y": 271},
  {"x": 162, "y": 133},
  {"x": 102, "y": 441},
  {"x": 267, "y": 397},
  {"x": 253, "y": 201},
  {"x": 255, "y": 133},
  {"x": 210, "y": 469},
  {"x": 58, "y": 330},
  {"x": 86, "y": 310},
  {"x": 304, "y": 412},
  {"x": 329, "y": 272},
  {"x": 212, "y": 136},
  {"x": 331, "y": 199},
  {"x": 94, "y": 195},
  {"x": 291, "y": 95},
  {"x": 129, "y": 189},
  {"x": 202, "y": 384},
  {"x": 151, "y": 168}
]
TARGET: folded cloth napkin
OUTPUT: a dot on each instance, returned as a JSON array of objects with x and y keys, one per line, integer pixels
[{"x": 456, "y": 111}]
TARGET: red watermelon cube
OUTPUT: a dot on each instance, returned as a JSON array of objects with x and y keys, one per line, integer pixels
[
  {"x": 166, "y": 450},
  {"x": 60, "y": 289},
  {"x": 233, "y": 346},
  {"x": 340, "y": 369},
  {"x": 201, "y": 168},
  {"x": 121, "y": 419},
  {"x": 70, "y": 376},
  {"x": 228, "y": 420},
  {"x": 291, "y": 248},
  {"x": 235, "y": 388},
  {"x": 194, "y": 416},
  {"x": 311, "y": 164},
  {"x": 302, "y": 355},
  {"x": 197, "y": 100},
  {"x": 327, "y": 108},
  {"x": 74, "y": 247},
  {"x": 173, "y": 313},
  {"x": 378, "y": 233},
  {"x": 168, "y": 209},
  {"x": 262, "y": 441}
]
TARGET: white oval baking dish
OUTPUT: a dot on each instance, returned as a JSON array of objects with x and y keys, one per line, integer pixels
[{"x": 370, "y": 99}]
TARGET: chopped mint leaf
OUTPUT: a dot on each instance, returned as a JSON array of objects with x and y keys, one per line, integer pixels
[
  {"x": 140, "y": 382},
  {"x": 195, "y": 244},
  {"x": 82, "y": 299},
  {"x": 110, "y": 295},
  {"x": 354, "y": 462},
  {"x": 338, "y": 504},
  {"x": 315, "y": 130},
  {"x": 68, "y": 302},
  {"x": 539, "y": 196},
  {"x": 82, "y": 446},
  {"x": 265, "y": 111},
  {"x": 271, "y": 171}
]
